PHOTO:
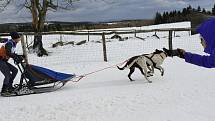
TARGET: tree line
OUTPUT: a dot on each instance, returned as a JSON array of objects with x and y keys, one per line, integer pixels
[{"x": 181, "y": 15}]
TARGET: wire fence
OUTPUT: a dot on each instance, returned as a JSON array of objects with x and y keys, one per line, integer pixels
[
  {"x": 88, "y": 46},
  {"x": 119, "y": 45}
]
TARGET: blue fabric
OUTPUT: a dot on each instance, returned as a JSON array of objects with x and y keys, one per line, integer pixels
[
  {"x": 53, "y": 74},
  {"x": 12, "y": 42},
  {"x": 200, "y": 60},
  {"x": 4, "y": 40},
  {"x": 207, "y": 31}
]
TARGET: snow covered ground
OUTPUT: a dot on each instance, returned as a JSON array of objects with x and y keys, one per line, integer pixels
[{"x": 185, "y": 92}]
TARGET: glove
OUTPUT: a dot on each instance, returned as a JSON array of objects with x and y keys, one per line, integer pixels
[
  {"x": 21, "y": 56},
  {"x": 177, "y": 52},
  {"x": 18, "y": 59},
  {"x": 181, "y": 53}
]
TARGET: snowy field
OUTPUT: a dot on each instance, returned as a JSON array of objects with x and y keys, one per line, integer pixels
[{"x": 185, "y": 92}]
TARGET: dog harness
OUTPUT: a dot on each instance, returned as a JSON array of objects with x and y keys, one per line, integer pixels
[
  {"x": 162, "y": 56},
  {"x": 150, "y": 58}
]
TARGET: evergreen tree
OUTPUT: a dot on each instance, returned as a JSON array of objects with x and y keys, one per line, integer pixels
[
  {"x": 165, "y": 17},
  {"x": 174, "y": 13},
  {"x": 158, "y": 18},
  {"x": 184, "y": 11},
  {"x": 209, "y": 12},
  {"x": 199, "y": 9},
  {"x": 213, "y": 10},
  {"x": 193, "y": 10},
  {"x": 203, "y": 10},
  {"x": 184, "y": 15},
  {"x": 189, "y": 9},
  {"x": 179, "y": 13}
]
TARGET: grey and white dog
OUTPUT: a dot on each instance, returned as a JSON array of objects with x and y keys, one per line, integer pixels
[{"x": 146, "y": 64}]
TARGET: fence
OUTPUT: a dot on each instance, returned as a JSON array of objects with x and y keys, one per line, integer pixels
[{"x": 103, "y": 44}]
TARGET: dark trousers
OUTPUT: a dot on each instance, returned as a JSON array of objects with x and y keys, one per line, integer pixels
[{"x": 9, "y": 72}]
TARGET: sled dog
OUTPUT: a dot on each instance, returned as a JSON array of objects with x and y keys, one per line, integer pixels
[{"x": 146, "y": 62}]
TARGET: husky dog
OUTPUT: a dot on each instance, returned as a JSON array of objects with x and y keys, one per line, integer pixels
[{"x": 146, "y": 62}]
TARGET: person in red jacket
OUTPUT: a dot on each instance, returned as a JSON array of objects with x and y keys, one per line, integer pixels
[{"x": 8, "y": 70}]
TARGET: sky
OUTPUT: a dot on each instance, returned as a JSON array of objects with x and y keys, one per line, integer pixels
[{"x": 105, "y": 10}]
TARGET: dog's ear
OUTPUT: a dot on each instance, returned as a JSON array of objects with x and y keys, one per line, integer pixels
[
  {"x": 158, "y": 51},
  {"x": 168, "y": 52},
  {"x": 165, "y": 50}
]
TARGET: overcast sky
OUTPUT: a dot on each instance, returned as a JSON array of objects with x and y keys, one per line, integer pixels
[{"x": 106, "y": 10}]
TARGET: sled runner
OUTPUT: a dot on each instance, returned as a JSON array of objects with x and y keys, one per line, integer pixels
[{"x": 35, "y": 79}]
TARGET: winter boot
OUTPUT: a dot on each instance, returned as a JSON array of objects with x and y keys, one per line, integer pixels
[
  {"x": 7, "y": 91},
  {"x": 12, "y": 88}
]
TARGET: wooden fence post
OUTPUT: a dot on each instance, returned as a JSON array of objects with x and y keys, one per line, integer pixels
[
  {"x": 61, "y": 38},
  {"x": 24, "y": 49},
  {"x": 104, "y": 47},
  {"x": 135, "y": 33},
  {"x": 170, "y": 40},
  {"x": 26, "y": 40},
  {"x": 88, "y": 36}
]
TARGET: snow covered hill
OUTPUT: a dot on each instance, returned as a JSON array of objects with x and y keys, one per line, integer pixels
[{"x": 185, "y": 92}]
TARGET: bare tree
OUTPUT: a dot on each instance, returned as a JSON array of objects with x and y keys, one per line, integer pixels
[
  {"x": 38, "y": 9},
  {"x": 3, "y": 4}
]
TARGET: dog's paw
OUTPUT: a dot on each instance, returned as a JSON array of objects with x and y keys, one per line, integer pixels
[{"x": 149, "y": 75}]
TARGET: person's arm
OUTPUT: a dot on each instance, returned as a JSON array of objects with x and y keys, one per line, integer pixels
[
  {"x": 16, "y": 58},
  {"x": 8, "y": 48},
  {"x": 200, "y": 60},
  {"x": 204, "y": 61}
]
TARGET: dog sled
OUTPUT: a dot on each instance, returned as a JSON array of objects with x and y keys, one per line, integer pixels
[{"x": 35, "y": 79}]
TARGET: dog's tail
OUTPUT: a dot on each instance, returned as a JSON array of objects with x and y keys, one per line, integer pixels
[
  {"x": 129, "y": 63},
  {"x": 126, "y": 64},
  {"x": 122, "y": 68}
]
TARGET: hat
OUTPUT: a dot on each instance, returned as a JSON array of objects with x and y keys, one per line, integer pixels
[{"x": 14, "y": 35}]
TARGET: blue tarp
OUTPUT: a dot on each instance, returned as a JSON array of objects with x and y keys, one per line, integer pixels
[{"x": 52, "y": 74}]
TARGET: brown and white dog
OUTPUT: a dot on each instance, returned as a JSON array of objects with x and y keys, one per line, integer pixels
[{"x": 146, "y": 62}]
